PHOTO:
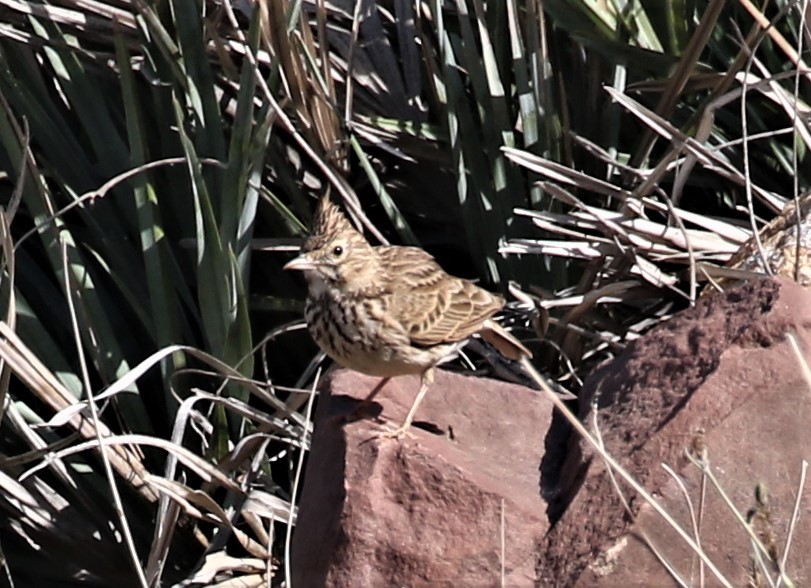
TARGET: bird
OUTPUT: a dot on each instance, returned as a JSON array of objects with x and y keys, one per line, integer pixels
[{"x": 389, "y": 311}]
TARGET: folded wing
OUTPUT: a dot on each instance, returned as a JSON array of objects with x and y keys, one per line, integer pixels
[{"x": 431, "y": 305}]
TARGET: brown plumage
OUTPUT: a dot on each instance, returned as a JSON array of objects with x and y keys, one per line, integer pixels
[{"x": 390, "y": 311}]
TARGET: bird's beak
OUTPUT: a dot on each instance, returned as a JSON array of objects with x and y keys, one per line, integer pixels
[{"x": 302, "y": 262}]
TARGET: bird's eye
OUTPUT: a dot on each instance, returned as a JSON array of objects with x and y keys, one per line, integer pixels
[{"x": 338, "y": 251}]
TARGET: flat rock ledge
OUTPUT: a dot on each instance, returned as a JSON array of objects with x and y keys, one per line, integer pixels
[
  {"x": 456, "y": 502},
  {"x": 717, "y": 382},
  {"x": 460, "y": 500}
]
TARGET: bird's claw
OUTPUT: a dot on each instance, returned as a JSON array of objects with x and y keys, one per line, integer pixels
[{"x": 390, "y": 433}]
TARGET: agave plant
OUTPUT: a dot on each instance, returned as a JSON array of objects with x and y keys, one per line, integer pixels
[
  {"x": 135, "y": 155},
  {"x": 723, "y": 142}
]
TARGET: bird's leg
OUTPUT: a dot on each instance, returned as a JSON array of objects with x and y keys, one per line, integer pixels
[
  {"x": 425, "y": 383},
  {"x": 370, "y": 396},
  {"x": 360, "y": 408}
]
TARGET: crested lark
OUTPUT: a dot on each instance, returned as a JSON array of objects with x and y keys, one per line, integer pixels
[{"x": 390, "y": 311}]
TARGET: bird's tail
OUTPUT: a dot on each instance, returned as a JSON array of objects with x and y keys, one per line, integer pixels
[{"x": 503, "y": 341}]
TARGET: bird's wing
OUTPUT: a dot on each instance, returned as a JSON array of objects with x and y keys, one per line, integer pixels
[{"x": 431, "y": 305}]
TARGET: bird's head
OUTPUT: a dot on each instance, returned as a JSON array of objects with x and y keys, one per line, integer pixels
[{"x": 335, "y": 252}]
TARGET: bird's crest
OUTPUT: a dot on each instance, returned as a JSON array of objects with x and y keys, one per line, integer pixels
[{"x": 328, "y": 222}]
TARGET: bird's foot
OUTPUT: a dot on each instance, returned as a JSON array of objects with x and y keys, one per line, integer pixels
[{"x": 389, "y": 432}]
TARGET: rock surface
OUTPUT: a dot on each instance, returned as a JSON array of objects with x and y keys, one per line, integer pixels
[
  {"x": 719, "y": 378},
  {"x": 456, "y": 504},
  {"x": 718, "y": 381}
]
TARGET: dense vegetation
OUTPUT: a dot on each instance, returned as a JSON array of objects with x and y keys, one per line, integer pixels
[{"x": 598, "y": 160}]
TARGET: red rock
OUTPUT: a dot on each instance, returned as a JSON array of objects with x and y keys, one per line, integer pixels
[
  {"x": 721, "y": 374},
  {"x": 430, "y": 509}
]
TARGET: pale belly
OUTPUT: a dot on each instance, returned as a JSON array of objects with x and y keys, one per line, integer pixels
[
  {"x": 367, "y": 350},
  {"x": 378, "y": 359}
]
